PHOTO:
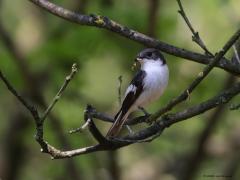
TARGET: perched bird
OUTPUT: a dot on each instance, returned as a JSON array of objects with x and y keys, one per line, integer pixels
[{"x": 146, "y": 86}]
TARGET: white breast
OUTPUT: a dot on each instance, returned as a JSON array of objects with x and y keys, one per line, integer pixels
[{"x": 155, "y": 82}]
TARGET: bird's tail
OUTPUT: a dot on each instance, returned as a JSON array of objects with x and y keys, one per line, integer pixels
[{"x": 120, "y": 118}]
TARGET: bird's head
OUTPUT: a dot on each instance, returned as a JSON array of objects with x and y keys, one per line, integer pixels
[{"x": 150, "y": 55}]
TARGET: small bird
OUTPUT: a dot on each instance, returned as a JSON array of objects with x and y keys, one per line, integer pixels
[{"x": 146, "y": 86}]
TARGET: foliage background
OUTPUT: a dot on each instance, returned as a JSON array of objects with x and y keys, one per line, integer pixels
[{"x": 51, "y": 45}]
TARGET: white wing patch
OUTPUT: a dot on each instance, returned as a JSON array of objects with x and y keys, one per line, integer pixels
[{"x": 131, "y": 88}]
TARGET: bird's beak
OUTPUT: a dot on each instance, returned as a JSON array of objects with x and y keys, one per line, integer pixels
[{"x": 138, "y": 59}]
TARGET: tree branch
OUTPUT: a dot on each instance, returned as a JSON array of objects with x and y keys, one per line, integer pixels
[
  {"x": 197, "y": 156},
  {"x": 108, "y": 24},
  {"x": 156, "y": 129},
  {"x": 170, "y": 119},
  {"x": 183, "y": 96},
  {"x": 38, "y": 120},
  {"x": 104, "y": 117},
  {"x": 143, "y": 135},
  {"x": 32, "y": 89},
  {"x": 106, "y": 144}
]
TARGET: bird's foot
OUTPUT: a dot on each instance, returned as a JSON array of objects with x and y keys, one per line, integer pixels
[
  {"x": 150, "y": 122},
  {"x": 129, "y": 129},
  {"x": 144, "y": 111}
]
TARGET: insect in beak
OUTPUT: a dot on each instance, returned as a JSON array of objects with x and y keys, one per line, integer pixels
[
  {"x": 137, "y": 60},
  {"x": 134, "y": 65}
]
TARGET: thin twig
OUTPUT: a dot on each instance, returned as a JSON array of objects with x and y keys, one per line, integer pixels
[
  {"x": 107, "y": 118},
  {"x": 120, "y": 90},
  {"x": 80, "y": 129},
  {"x": 61, "y": 90},
  {"x": 195, "y": 37}
]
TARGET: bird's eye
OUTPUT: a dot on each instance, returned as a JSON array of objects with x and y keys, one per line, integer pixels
[{"x": 149, "y": 54}]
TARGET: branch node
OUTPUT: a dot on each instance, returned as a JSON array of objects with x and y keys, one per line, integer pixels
[
  {"x": 98, "y": 19},
  {"x": 74, "y": 67},
  {"x": 163, "y": 121},
  {"x": 194, "y": 39},
  {"x": 68, "y": 78},
  {"x": 200, "y": 74}
]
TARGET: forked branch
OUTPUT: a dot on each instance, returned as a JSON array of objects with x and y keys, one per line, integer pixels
[{"x": 195, "y": 37}]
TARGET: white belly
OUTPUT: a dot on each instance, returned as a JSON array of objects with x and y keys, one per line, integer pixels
[{"x": 156, "y": 81}]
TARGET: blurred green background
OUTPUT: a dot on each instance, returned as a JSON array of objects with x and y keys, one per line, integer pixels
[{"x": 37, "y": 50}]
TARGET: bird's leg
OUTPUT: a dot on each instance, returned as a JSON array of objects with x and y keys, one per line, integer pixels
[
  {"x": 129, "y": 129},
  {"x": 146, "y": 114},
  {"x": 143, "y": 110}
]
